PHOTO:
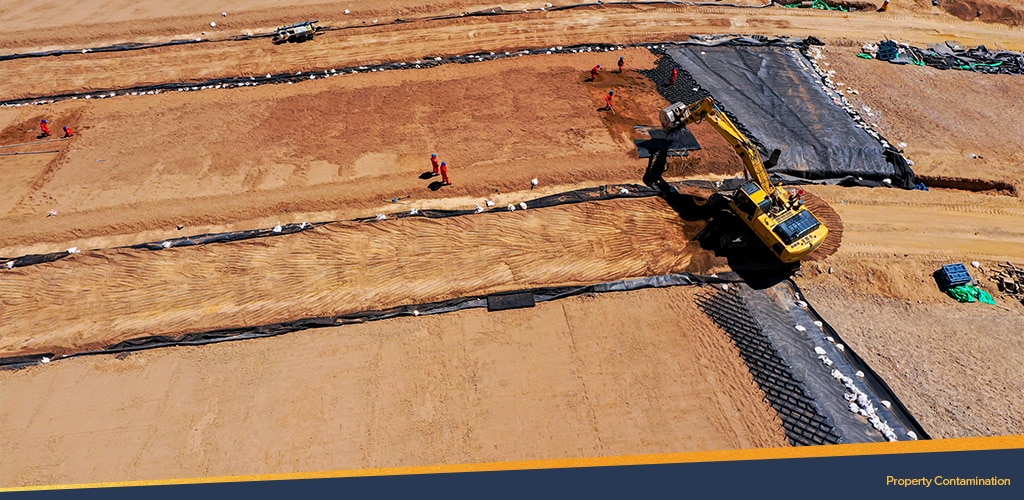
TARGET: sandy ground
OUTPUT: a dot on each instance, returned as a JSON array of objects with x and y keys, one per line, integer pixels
[
  {"x": 581, "y": 377},
  {"x": 342, "y": 147},
  {"x": 416, "y": 41},
  {"x": 283, "y": 152},
  {"x": 98, "y": 299},
  {"x": 953, "y": 365},
  {"x": 960, "y": 122}
]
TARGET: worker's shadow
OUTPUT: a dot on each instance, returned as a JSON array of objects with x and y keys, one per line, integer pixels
[
  {"x": 42, "y": 136},
  {"x": 434, "y": 186},
  {"x": 426, "y": 175}
]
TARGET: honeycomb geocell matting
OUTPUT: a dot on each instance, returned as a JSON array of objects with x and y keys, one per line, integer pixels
[{"x": 801, "y": 418}]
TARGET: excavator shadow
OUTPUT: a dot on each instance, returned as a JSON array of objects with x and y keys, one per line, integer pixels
[
  {"x": 723, "y": 233},
  {"x": 727, "y": 236}
]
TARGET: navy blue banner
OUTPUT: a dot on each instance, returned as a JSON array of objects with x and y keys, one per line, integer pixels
[{"x": 974, "y": 474}]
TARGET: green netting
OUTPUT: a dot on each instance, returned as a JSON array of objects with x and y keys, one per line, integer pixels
[
  {"x": 986, "y": 297},
  {"x": 816, "y": 4},
  {"x": 970, "y": 293},
  {"x": 980, "y": 65}
]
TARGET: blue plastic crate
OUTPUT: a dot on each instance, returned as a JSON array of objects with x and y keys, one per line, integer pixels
[{"x": 953, "y": 275}]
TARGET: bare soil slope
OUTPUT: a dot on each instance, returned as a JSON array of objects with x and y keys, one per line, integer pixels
[
  {"x": 98, "y": 299},
  {"x": 329, "y": 149},
  {"x": 581, "y": 377}
]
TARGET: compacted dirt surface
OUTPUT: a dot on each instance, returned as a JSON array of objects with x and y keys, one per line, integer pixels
[
  {"x": 581, "y": 377},
  {"x": 615, "y": 374}
]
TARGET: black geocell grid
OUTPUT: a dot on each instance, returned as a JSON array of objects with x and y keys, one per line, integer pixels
[
  {"x": 686, "y": 89},
  {"x": 803, "y": 423}
]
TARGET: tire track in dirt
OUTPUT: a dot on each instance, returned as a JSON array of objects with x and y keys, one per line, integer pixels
[
  {"x": 948, "y": 224},
  {"x": 92, "y": 300}
]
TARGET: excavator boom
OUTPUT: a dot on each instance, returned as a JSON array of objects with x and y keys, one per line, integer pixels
[{"x": 778, "y": 219}]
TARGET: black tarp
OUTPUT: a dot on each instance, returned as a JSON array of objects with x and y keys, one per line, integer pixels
[
  {"x": 780, "y": 102},
  {"x": 950, "y": 55},
  {"x": 680, "y": 142},
  {"x": 441, "y": 307}
]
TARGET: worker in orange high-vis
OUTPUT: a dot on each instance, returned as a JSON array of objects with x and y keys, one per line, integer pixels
[
  {"x": 608, "y": 101},
  {"x": 622, "y": 62},
  {"x": 594, "y": 71},
  {"x": 444, "y": 174},
  {"x": 68, "y": 132},
  {"x": 45, "y": 128},
  {"x": 434, "y": 164},
  {"x": 675, "y": 74}
]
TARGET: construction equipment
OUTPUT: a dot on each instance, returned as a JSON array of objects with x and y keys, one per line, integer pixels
[
  {"x": 779, "y": 219},
  {"x": 299, "y": 32}
]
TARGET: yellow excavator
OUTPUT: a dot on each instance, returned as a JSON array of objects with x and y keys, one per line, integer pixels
[{"x": 779, "y": 219}]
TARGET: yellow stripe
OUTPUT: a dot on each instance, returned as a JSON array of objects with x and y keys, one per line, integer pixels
[{"x": 839, "y": 450}]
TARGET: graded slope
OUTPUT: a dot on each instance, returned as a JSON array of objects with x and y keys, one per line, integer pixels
[
  {"x": 96, "y": 299},
  {"x": 613, "y": 374}
]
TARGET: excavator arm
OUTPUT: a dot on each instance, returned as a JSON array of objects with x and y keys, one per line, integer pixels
[
  {"x": 781, "y": 222},
  {"x": 680, "y": 115}
]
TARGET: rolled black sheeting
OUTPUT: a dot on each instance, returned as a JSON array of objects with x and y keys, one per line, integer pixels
[
  {"x": 441, "y": 307},
  {"x": 15, "y": 362},
  {"x": 30, "y": 260},
  {"x": 284, "y": 78},
  {"x": 202, "y": 239}
]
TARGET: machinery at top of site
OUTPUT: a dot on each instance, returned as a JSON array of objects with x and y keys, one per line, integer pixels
[
  {"x": 779, "y": 219},
  {"x": 299, "y": 32}
]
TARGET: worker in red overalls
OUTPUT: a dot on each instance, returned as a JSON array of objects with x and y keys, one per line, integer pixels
[
  {"x": 622, "y": 62},
  {"x": 68, "y": 132},
  {"x": 675, "y": 74},
  {"x": 594, "y": 71},
  {"x": 608, "y": 101},
  {"x": 45, "y": 128},
  {"x": 444, "y": 174},
  {"x": 433, "y": 163}
]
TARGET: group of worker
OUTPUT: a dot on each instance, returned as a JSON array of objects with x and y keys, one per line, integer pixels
[
  {"x": 44, "y": 127},
  {"x": 597, "y": 69},
  {"x": 440, "y": 169},
  {"x": 608, "y": 105}
]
